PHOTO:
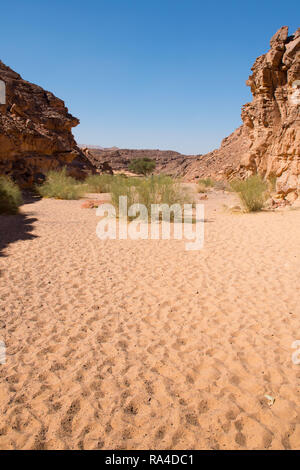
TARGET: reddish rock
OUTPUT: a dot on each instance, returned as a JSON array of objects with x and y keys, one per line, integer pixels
[
  {"x": 167, "y": 161},
  {"x": 91, "y": 204},
  {"x": 35, "y": 132},
  {"x": 268, "y": 142},
  {"x": 101, "y": 165}
]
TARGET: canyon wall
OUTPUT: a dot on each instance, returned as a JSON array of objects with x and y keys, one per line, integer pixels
[
  {"x": 272, "y": 119},
  {"x": 268, "y": 142},
  {"x": 35, "y": 132}
]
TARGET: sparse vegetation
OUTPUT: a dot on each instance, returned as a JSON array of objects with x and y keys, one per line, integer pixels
[
  {"x": 252, "y": 192},
  {"x": 10, "y": 196},
  {"x": 121, "y": 186},
  {"x": 204, "y": 184},
  {"x": 99, "y": 183},
  {"x": 142, "y": 166},
  {"x": 207, "y": 182},
  {"x": 59, "y": 185},
  {"x": 152, "y": 190}
]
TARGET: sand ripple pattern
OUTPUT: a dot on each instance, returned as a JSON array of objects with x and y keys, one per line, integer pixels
[{"x": 143, "y": 345}]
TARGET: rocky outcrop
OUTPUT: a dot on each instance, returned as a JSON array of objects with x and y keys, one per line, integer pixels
[
  {"x": 272, "y": 119},
  {"x": 35, "y": 132},
  {"x": 167, "y": 161},
  {"x": 101, "y": 165},
  {"x": 268, "y": 142}
]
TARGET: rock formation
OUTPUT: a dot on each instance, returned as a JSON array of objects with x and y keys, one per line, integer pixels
[
  {"x": 167, "y": 161},
  {"x": 101, "y": 165},
  {"x": 272, "y": 119},
  {"x": 35, "y": 132},
  {"x": 268, "y": 142}
]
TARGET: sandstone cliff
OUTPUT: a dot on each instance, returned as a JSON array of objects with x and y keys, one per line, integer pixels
[
  {"x": 268, "y": 142},
  {"x": 272, "y": 119},
  {"x": 35, "y": 132}
]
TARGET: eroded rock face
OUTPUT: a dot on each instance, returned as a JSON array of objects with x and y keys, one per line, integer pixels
[
  {"x": 35, "y": 132},
  {"x": 272, "y": 119},
  {"x": 167, "y": 161},
  {"x": 102, "y": 166},
  {"x": 268, "y": 142}
]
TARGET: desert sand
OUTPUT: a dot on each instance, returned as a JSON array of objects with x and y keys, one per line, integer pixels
[{"x": 123, "y": 344}]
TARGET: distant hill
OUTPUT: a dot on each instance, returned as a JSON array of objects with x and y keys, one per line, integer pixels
[
  {"x": 167, "y": 161},
  {"x": 97, "y": 147}
]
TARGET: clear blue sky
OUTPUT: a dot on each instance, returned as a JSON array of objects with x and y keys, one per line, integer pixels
[{"x": 166, "y": 74}]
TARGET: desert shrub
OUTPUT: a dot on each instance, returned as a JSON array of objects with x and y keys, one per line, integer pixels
[
  {"x": 59, "y": 185},
  {"x": 142, "y": 166},
  {"x": 10, "y": 196},
  {"x": 252, "y": 192},
  {"x": 158, "y": 189},
  {"x": 99, "y": 183},
  {"x": 207, "y": 182},
  {"x": 204, "y": 184},
  {"x": 121, "y": 186}
]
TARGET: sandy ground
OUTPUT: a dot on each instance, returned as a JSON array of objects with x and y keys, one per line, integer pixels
[{"x": 143, "y": 345}]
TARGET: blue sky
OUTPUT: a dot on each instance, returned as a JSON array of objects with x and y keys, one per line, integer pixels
[{"x": 166, "y": 74}]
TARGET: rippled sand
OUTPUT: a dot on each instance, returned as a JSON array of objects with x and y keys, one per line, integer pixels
[{"x": 143, "y": 345}]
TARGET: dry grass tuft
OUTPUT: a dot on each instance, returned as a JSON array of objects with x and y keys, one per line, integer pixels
[{"x": 10, "y": 196}]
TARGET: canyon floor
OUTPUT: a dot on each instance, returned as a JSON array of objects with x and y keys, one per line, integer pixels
[{"x": 123, "y": 344}]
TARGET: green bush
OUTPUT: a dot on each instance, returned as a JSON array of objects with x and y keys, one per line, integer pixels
[
  {"x": 99, "y": 183},
  {"x": 207, "y": 182},
  {"x": 158, "y": 189},
  {"x": 10, "y": 196},
  {"x": 252, "y": 192},
  {"x": 142, "y": 166},
  {"x": 59, "y": 185},
  {"x": 121, "y": 186},
  {"x": 204, "y": 184}
]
